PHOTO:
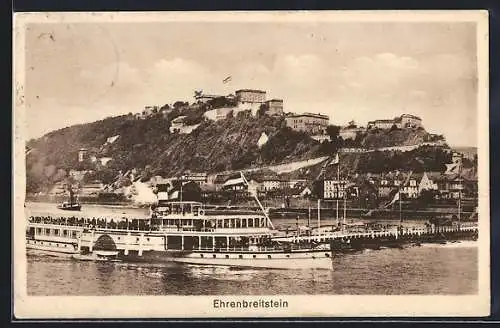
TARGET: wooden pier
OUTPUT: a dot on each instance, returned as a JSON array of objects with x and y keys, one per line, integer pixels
[{"x": 395, "y": 237}]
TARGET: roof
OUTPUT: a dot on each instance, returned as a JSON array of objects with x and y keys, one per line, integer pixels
[
  {"x": 310, "y": 115},
  {"x": 250, "y": 90},
  {"x": 271, "y": 100},
  {"x": 220, "y": 179},
  {"x": 207, "y": 96},
  {"x": 411, "y": 116},
  {"x": 232, "y": 182}
]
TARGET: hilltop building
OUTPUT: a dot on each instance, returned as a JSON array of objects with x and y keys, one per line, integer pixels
[
  {"x": 250, "y": 96},
  {"x": 405, "y": 121},
  {"x": 203, "y": 98},
  {"x": 250, "y": 99},
  {"x": 308, "y": 122},
  {"x": 350, "y": 131},
  {"x": 274, "y": 107}
]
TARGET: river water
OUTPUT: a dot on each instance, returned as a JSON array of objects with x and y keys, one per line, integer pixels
[{"x": 429, "y": 269}]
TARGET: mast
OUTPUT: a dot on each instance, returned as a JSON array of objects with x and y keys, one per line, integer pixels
[
  {"x": 345, "y": 204},
  {"x": 258, "y": 202},
  {"x": 400, "y": 198},
  {"x": 338, "y": 185},
  {"x": 460, "y": 186},
  {"x": 309, "y": 217},
  {"x": 319, "y": 217},
  {"x": 70, "y": 195},
  {"x": 400, "y": 212}
]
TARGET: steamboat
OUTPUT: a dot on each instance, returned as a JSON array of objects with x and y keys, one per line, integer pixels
[
  {"x": 179, "y": 231},
  {"x": 72, "y": 205}
]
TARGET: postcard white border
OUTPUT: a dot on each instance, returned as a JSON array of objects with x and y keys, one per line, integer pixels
[{"x": 68, "y": 307}]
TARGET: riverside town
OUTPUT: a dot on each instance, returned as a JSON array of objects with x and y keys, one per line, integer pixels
[
  {"x": 238, "y": 181},
  {"x": 252, "y": 163}
]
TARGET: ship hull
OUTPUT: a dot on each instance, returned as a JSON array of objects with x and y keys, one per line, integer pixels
[
  {"x": 70, "y": 208},
  {"x": 311, "y": 259},
  {"x": 52, "y": 247}
]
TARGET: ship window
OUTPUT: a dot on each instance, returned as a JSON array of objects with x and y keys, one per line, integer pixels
[
  {"x": 227, "y": 256},
  {"x": 137, "y": 239},
  {"x": 240, "y": 256},
  {"x": 214, "y": 256},
  {"x": 47, "y": 231},
  {"x": 39, "y": 231},
  {"x": 56, "y": 232},
  {"x": 57, "y": 245},
  {"x": 287, "y": 255},
  {"x": 269, "y": 256},
  {"x": 74, "y": 234},
  {"x": 327, "y": 255},
  {"x": 201, "y": 255},
  {"x": 147, "y": 239},
  {"x": 118, "y": 238},
  {"x": 250, "y": 223},
  {"x": 65, "y": 245},
  {"x": 255, "y": 256},
  {"x": 65, "y": 233},
  {"x": 244, "y": 223}
]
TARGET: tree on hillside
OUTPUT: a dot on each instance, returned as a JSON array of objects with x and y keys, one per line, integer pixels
[
  {"x": 179, "y": 105},
  {"x": 333, "y": 131},
  {"x": 262, "y": 110},
  {"x": 221, "y": 102}
]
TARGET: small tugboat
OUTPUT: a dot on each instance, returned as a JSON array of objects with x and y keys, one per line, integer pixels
[{"x": 72, "y": 205}]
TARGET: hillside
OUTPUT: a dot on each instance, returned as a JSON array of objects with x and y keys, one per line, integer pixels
[
  {"x": 149, "y": 148},
  {"x": 383, "y": 138}
]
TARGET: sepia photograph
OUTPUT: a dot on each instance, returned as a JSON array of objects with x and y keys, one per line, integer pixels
[{"x": 251, "y": 164}]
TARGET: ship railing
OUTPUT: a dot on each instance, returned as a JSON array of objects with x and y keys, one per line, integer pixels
[{"x": 252, "y": 249}]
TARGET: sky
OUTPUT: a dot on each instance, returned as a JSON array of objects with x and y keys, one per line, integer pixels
[{"x": 82, "y": 72}]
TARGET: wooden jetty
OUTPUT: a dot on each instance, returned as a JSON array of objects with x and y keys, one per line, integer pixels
[{"x": 396, "y": 237}]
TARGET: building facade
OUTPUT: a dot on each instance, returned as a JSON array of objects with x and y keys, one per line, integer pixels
[
  {"x": 274, "y": 107},
  {"x": 410, "y": 121},
  {"x": 250, "y": 96},
  {"x": 199, "y": 178},
  {"x": 308, "y": 122},
  {"x": 82, "y": 154},
  {"x": 406, "y": 121},
  {"x": 334, "y": 189},
  {"x": 383, "y": 124},
  {"x": 203, "y": 98}
]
